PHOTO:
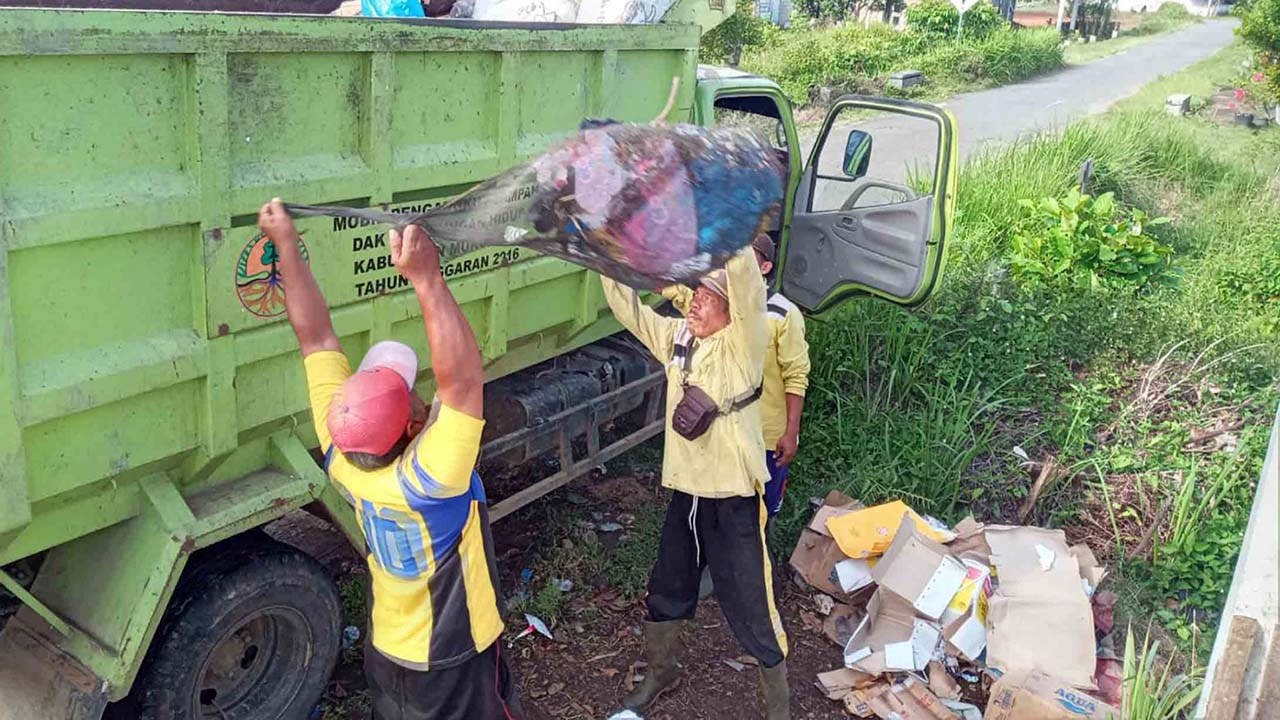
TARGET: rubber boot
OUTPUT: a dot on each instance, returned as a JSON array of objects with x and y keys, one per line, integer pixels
[
  {"x": 661, "y": 640},
  {"x": 777, "y": 696}
]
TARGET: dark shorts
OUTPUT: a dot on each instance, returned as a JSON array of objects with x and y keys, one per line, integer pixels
[
  {"x": 777, "y": 485},
  {"x": 482, "y": 688}
]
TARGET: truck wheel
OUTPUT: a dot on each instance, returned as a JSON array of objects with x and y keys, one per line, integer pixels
[{"x": 254, "y": 639}]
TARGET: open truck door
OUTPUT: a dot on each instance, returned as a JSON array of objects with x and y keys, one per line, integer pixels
[{"x": 874, "y": 205}]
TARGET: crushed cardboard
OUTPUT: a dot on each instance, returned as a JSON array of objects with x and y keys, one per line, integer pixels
[
  {"x": 919, "y": 570},
  {"x": 1038, "y": 695},
  {"x": 920, "y": 622},
  {"x": 891, "y": 637},
  {"x": 840, "y": 624},
  {"x": 1034, "y": 608}
]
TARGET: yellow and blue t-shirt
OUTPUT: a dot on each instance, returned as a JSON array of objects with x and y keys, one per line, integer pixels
[{"x": 426, "y": 523}]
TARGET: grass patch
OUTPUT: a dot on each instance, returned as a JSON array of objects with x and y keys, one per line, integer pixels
[
  {"x": 1114, "y": 382},
  {"x": 857, "y": 59},
  {"x": 1171, "y": 16},
  {"x": 1078, "y": 53}
]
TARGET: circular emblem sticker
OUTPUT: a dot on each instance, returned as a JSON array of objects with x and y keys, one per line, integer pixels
[{"x": 258, "y": 283}]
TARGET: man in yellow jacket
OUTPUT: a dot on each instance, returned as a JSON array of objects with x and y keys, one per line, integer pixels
[
  {"x": 786, "y": 375},
  {"x": 717, "y": 513}
]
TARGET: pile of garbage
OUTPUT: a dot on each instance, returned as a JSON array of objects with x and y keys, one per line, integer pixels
[
  {"x": 590, "y": 12},
  {"x": 977, "y": 621}
]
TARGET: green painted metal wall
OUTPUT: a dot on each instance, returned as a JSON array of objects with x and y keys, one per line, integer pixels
[{"x": 141, "y": 331}]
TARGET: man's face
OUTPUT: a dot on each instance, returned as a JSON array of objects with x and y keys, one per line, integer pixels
[{"x": 708, "y": 313}]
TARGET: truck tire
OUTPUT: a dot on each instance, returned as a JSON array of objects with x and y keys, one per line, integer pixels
[{"x": 250, "y": 635}]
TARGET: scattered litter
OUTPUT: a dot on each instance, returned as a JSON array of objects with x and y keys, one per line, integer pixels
[
  {"x": 625, "y": 715},
  {"x": 748, "y": 660},
  {"x": 811, "y": 621},
  {"x": 634, "y": 675},
  {"x": 1022, "y": 454},
  {"x": 735, "y": 665},
  {"x": 854, "y": 574},
  {"x": 966, "y": 711},
  {"x": 1040, "y": 696},
  {"x": 841, "y": 624},
  {"x": 535, "y": 625},
  {"x": 1045, "y": 556},
  {"x": 350, "y": 636},
  {"x": 609, "y": 527},
  {"x": 919, "y": 569},
  {"x": 926, "y": 627},
  {"x": 526, "y": 575},
  {"x": 1032, "y": 609},
  {"x": 563, "y": 585},
  {"x": 867, "y": 532}
]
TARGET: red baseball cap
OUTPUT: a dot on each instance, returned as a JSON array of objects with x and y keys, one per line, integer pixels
[{"x": 370, "y": 411}]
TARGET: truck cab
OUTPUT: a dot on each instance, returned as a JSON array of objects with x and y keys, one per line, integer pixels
[{"x": 870, "y": 192}]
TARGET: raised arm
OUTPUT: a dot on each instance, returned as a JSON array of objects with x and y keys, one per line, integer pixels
[
  {"x": 303, "y": 302},
  {"x": 680, "y": 296},
  {"x": 656, "y": 332},
  {"x": 748, "y": 323},
  {"x": 455, "y": 355}
]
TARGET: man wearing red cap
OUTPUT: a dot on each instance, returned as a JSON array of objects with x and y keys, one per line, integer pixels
[{"x": 411, "y": 478}]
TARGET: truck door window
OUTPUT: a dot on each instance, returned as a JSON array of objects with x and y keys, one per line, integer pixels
[
  {"x": 874, "y": 159},
  {"x": 756, "y": 112}
]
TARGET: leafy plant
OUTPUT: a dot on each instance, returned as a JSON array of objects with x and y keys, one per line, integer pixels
[
  {"x": 1085, "y": 241},
  {"x": 1151, "y": 690},
  {"x": 1260, "y": 29},
  {"x": 1169, "y": 17},
  {"x": 941, "y": 18},
  {"x": 739, "y": 31}
]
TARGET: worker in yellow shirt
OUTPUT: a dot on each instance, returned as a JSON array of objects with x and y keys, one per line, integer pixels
[
  {"x": 786, "y": 376},
  {"x": 410, "y": 475},
  {"x": 714, "y": 463}
]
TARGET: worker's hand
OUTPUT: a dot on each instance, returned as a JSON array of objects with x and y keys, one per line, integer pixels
[
  {"x": 276, "y": 224},
  {"x": 415, "y": 255},
  {"x": 788, "y": 445}
]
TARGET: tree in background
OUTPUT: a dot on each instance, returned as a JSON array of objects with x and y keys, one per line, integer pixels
[
  {"x": 941, "y": 18},
  {"x": 743, "y": 29},
  {"x": 1260, "y": 29}
]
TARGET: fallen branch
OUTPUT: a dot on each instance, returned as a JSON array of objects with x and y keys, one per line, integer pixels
[
  {"x": 1050, "y": 470},
  {"x": 1200, "y": 436},
  {"x": 1149, "y": 535}
]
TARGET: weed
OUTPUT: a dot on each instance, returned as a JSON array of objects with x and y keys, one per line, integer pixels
[{"x": 1152, "y": 691}]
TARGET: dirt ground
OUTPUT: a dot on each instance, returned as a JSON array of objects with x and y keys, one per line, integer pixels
[{"x": 583, "y": 672}]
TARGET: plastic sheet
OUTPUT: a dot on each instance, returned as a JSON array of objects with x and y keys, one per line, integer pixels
[
  {"x": 391, "y": 8},
  {"x": 649, "y": 206}
]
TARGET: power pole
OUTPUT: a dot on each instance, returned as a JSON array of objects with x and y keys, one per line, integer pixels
[
  {"x": 1062, "y": 6},
  {"x": 1075, "y": 14}
]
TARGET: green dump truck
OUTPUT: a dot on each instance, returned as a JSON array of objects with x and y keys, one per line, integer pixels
[{"x": 153, "y": 412}]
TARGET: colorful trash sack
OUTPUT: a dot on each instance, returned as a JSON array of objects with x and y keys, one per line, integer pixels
[{"x": 649, "y": 206}]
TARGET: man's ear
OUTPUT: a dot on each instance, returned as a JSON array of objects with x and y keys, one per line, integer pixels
[{"x": 766, "y": 267}]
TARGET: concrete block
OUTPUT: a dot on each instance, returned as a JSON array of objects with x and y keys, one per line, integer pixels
[
  {"x": 906, "y": 78},
  {"x": 1178, "y": 104}
]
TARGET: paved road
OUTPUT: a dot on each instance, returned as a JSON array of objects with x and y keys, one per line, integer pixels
[{"x": 1002, "y": 115}]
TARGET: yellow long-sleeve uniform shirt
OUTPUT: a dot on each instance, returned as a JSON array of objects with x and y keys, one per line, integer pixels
[
  {"x": 729, "y": 458},
  {"x": 786, "y": 363}
]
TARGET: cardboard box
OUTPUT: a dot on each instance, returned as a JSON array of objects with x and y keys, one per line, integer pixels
[
  {"x": 835, "y": 684},
  {"x": 891, "y": 637},
  {"x": 815, "y": 558},
  {"x": 853, "y": 575},
  {"x": 835, "y": 505},
  {"x": 964, "y": 622},
  {"x": 840, "y": 624},
  {"x": 1040, "y": 696},
  {"x": 869, "y": 532},
  {"x": 1039, "y": 603},
  {"x": 920, "y": 570}
]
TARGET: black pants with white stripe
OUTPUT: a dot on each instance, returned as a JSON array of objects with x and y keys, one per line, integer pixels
[{"x": 727, "y": 536}]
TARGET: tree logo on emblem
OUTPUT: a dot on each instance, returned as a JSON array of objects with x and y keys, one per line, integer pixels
[{"x": 258, "y": 283}]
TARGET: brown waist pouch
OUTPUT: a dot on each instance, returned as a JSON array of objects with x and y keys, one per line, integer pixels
[{"x": 696, "y": 411}]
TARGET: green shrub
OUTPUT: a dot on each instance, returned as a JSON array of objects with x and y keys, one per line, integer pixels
[
  {"x": 941, "y": 18},
  {"x": 725, "y": 43},
  {"x": 1082, "y": 241},
  {"x": 1168, "y": 17},
  {"x": 1260, "y": 29},
  {"x": 857, "y": 59}
]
